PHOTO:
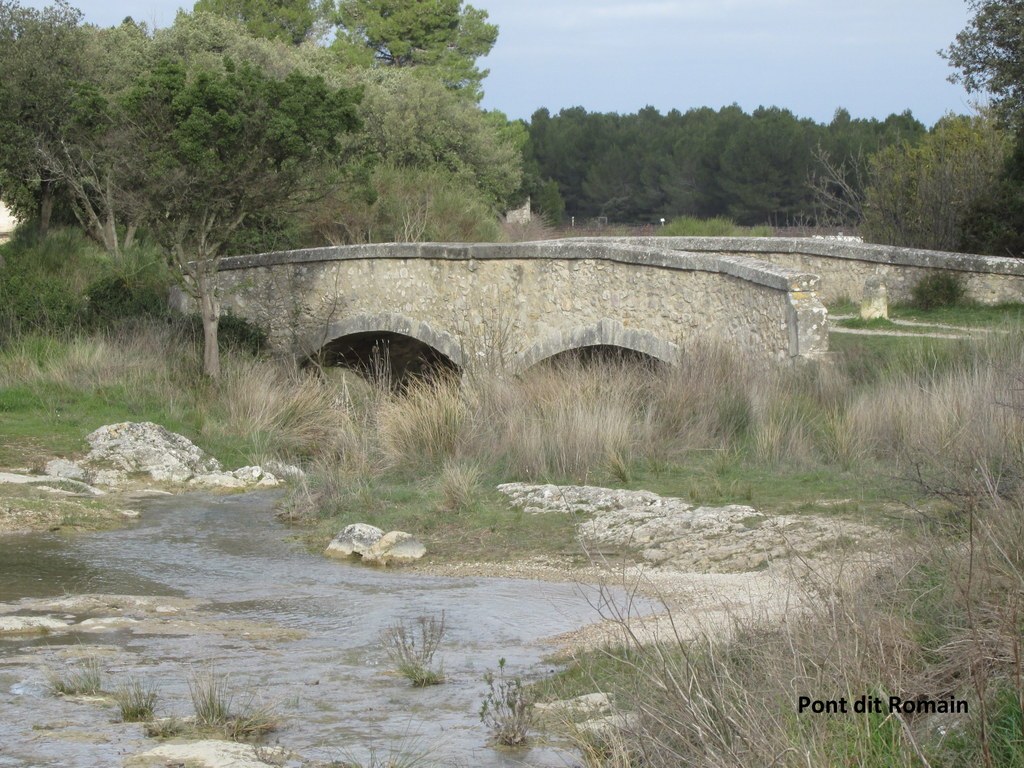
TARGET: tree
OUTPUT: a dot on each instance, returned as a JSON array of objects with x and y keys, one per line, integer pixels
[
  {"x": 919, "y": 195},
  {"x": 413, "y": 121},
  {"x": 764, "y": 168},
  {"x": 42, "y": 64},
  {"x": 440, "y": 34},
  {"x": 989, "y": 53},
  {"x": 221, "y": 146},
  {"x": 292, "y": 21}
]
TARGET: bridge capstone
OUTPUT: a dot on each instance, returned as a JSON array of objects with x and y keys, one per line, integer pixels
[
  {"x": 846, "y": 267},
  {"x": 524, "y": 302}
]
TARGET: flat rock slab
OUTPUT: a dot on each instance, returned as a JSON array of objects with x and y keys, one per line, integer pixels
[
  {"x": 669, "y": 531},
  {"x": 210, "y": 753},
  {"x": 29, "y": 625}
]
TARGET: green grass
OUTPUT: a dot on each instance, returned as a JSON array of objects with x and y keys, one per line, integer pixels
[
  {"x": 718, "y": 226},
  {"x": 487, "y": 530},
  {"x": 216, "y": 713},
  {"x": 967, "y": 314},
  {"x": 84, "y": 679},
  {"x": 136, "y": 700},
  {"x": 964, "y": 313}
]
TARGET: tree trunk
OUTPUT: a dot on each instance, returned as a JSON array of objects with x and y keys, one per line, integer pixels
[
  {"x": 45, "y": 208},
  {"x": 109, "y": 234},
  {"x": 129, "y": 235},
  {"x": 210, "y": 309}
]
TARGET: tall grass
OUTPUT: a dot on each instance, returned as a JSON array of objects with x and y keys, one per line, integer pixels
[
  {"x": 717, "y": 226},
  {"x": 566, "y": 421},
  {"x": 150, "y": 372},
  {"x": 941, "y": 621}
]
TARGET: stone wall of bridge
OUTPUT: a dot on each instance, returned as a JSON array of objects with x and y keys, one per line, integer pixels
[
  {"x": 845, "y": 266},
  {"x": 525, "y": 302}
]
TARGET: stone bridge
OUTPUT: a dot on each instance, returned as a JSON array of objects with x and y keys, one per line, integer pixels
[
  {"x": 518, "y": 304},
  {"x": 457, "y": 305}
]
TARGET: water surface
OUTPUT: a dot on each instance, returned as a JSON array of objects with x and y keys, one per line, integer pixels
[{"x": 291, "y": 628}]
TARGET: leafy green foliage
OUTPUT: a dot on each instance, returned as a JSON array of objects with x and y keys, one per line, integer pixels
[
  {"x": 921, "y": 195},
  {"x": 443, "y": 35},
  {"x": 410, "y": 205},
  {"x": 989, "y": 53},
  {"x": 42, "y": 281},
  {"x": 753, "y": 168},
  {"x": 292, "y": 21},
  {"x": 116, "y": 297},
  {"x": 719, "y": 226},
  {"x": 42, "y": 60},
  {"x": 939, "y": 289},
  {"x": 64, "y": 283},
  {"x": 995, "y": 222},
  {"x": 411, "y": 121},
  {"x": 222, "y": 146}
]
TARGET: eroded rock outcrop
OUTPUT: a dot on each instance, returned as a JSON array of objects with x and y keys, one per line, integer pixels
[
  {"x": 209, "y": 753},
  {"x": 667, "y": 530},
  {"x": 147, "y": 448},
  {"x": 120, "y": 452},
  {"x": 372, "y": 545}
]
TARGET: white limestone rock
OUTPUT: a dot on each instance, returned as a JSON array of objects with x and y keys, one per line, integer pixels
[
  {"x": 26, "y": 625},
  {"x": 607, "y": 728},
  {"x": 355, "y": 539},
  {"x": 376, "y": 547},
  {"x": 875, "y": 302},
  {"x": 589, "y": 704},
  {"x": 218, "y": 480},
  {"x": 68, "y": 470},
  {"x": 283, "y": 471},
  {"x": 147, "y": 448},
  {"x": 209, "y": 753},
  {"x": 671, "y": 533},
  {"x": 395, "y": 547}
]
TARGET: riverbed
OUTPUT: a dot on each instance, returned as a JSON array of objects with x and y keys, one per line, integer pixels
[{"x": 205, "y": 583}]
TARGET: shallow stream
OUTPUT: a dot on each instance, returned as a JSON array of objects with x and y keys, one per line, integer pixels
[{"x": 296, "y": 630}]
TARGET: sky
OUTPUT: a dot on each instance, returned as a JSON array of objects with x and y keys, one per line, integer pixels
[{"x": 871, "y": 57}]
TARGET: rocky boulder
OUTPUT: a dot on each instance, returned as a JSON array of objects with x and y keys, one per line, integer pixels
[
  {"x": 143, "y": 448},
  {"x": 395, "y": 547},
  {"x": 147, "y": 448},
  {"x": 372, "y": 545}
]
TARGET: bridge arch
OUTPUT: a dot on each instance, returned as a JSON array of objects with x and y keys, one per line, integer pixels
[
  {"x": 351, "y": 340},
  {"x": 605, "y": 333}
]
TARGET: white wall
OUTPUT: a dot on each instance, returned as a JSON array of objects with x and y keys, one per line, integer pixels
[{"x": 7, "y": 221}]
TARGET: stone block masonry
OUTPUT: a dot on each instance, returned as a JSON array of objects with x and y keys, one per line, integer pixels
[
  {"x": 526, "y": 302},
  {"x": 847, "y": 267}
]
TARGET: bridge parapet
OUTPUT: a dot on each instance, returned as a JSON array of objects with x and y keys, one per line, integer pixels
[
  {"x": 845, "y": 266},
  {"x": 525, "y": 302}
]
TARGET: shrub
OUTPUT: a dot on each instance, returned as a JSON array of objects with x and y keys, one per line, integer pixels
[
  {"x": 939, "y": 289},
  {"x": 508, "y": 708},
  {"x": 136, "y": 700},
  {"x": 213, "y": 704},
  {"x": 85, "y": 679},
  {"x": 412, "y": 649},
  {"x": 233, "y": 333},
  {"x": 34, "y": 301},
  {"x": 116, "y": 297},
  {"x": 718, "y": 226}
]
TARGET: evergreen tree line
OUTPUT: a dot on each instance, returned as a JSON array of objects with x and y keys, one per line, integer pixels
[
  {"x": 754, "y": 168},
  {"x": 894, "y": 180}
]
